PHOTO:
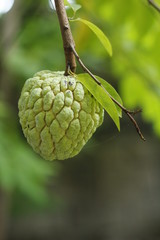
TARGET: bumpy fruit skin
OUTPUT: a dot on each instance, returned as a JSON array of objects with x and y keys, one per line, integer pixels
[{"x": 58, "y": 114}]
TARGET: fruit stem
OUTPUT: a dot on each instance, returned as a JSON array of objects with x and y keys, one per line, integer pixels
[{"x": 66, "y": 37}]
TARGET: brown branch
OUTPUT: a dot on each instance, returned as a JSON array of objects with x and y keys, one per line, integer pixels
[
  {"x": 71, "y": 54},
  {"x": 128, "y": 112},
  {"x": 66, "y": 36},
  {"x": 154, "y": 5}
]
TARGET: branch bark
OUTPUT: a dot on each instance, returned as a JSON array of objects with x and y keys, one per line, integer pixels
[{"x": 66, "y": 36}]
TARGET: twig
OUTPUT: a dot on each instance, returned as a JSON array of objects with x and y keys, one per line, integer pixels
[
  {"x": 66, "y": 36},
  {"x": 128, "y": 112},
  {"x": 154, "y": 5}
]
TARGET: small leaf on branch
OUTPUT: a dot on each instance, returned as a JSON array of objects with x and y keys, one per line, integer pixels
[
  {"x": 112, "y": 92},
  {"x": 75, "y": 7},
  {"x": 98, "y": 32},
  {"x": 101, "y": 96}
]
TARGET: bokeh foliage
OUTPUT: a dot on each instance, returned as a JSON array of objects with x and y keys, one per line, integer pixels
[{"x": 20, "y": 168}]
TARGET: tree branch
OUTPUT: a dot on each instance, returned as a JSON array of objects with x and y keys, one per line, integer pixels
[
  {"x": 127, "y": 112},
  {"x": 71, "y": 54},
  {"x": 154, "y": 5},
  {"x": 66, "y": 36}
]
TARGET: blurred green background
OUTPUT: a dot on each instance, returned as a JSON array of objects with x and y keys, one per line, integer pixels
[{"x": 111, "y": 190}]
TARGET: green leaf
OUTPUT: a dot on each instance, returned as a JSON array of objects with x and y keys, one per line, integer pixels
[
  {"x": 101, "y": 96},
  {"x": 6, "y": 176},
  {"x": 101, "y": 36},
  {"x": 112, "y": 92},
  {"x": 75, "y": 7},
  {"x": 66, "y": 3}
]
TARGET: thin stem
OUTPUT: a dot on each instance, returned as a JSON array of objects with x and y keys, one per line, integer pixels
[
  {"x": 128, "y": 112},
  {"x": 154, "y": 5},
  {"x": 66, "y": 36}
]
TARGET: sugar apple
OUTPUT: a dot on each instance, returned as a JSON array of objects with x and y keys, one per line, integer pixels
[{"x": 58, "y": 114}]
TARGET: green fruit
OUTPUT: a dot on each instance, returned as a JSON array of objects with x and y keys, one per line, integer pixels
[{"x": 58, "y": 114}]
